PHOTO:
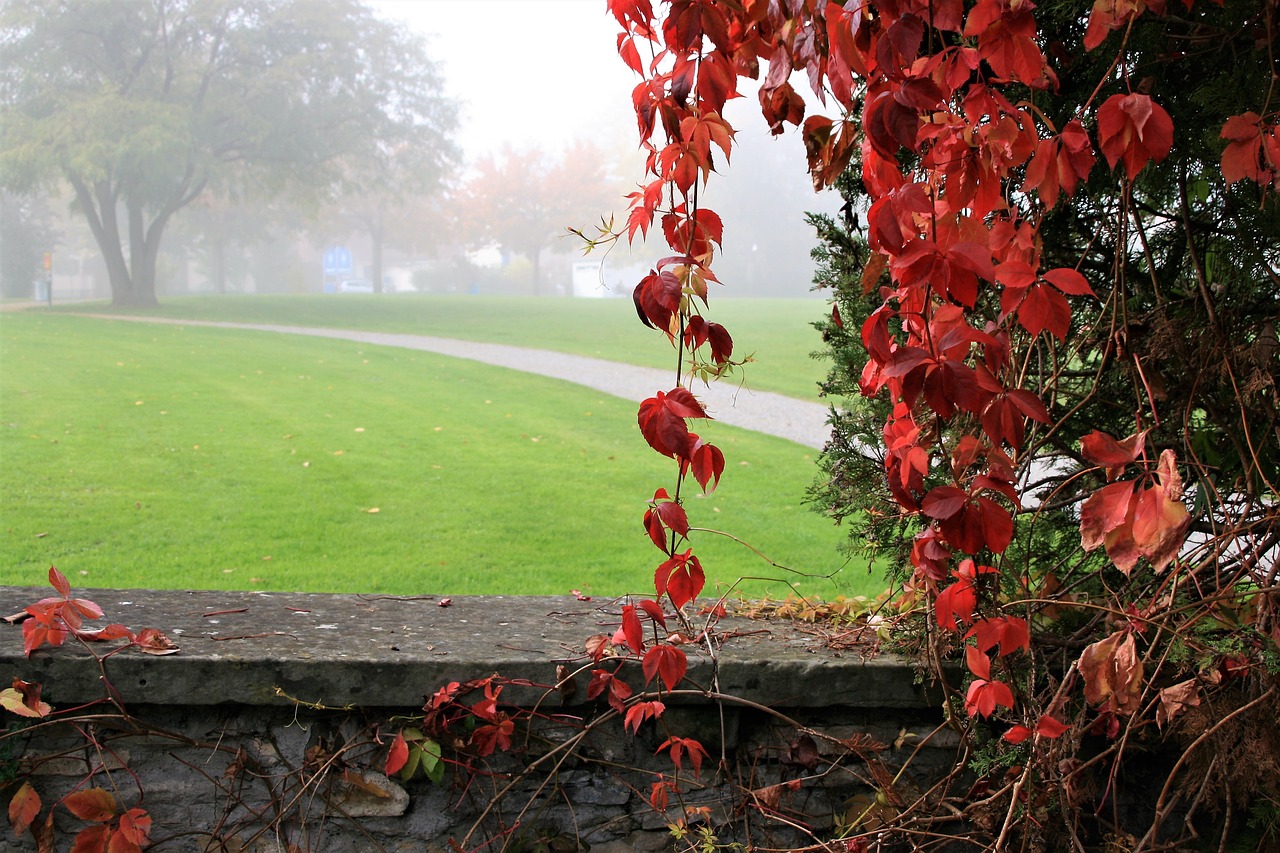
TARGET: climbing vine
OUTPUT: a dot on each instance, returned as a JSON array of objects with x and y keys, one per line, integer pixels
[{"x": 1052, "y": 213}]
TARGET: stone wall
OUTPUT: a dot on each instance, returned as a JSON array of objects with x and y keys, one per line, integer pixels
[{"x": 270, "y": 727}]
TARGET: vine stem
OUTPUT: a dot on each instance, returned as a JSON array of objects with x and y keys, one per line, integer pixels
[{"x": 1182, "y": 759}]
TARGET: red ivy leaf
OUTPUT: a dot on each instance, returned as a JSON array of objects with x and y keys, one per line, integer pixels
[
  {"x": 614, "y": 689},
  {"x": 665, "y": 514},
  {"x": 1008, "y": 633},
  {"x": 679, "y": 747},
  {"x": 1017, "y": 734},
  {"x": 662, "y": 421},
  {"x": 706, "y": 461},
  {"x": 642, "y": 711},
  {"x": 1135, "y": 129},
  {"x": 59, "y": 582},
  {"x": 984, "y": 696},
  {"x": 681, "y": 578},
  {"x": 495, "y": 736},
  {"x": 632, "y": 630},
  {"x": 668, "y": 662},
  {"x": 397, "y": 755},
  {"x": 92, "y": 839}
]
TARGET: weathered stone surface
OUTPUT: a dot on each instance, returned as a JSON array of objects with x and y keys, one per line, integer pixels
[
  {"x": 265, "y": 648},
  {"x": 280, "y": 706}
]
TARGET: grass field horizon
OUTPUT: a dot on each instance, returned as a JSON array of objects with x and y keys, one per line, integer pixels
[
  {"x": 188, "y": 457},
  {"x": 777, "y": 333}
]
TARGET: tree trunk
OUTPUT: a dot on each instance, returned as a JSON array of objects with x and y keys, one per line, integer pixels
[
  {"x": 142, "y": 257},
  {"x": 535, "y": 255},
  {"x": 218, "y": 266}
]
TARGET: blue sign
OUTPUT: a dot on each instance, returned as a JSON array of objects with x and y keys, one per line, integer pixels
[{"x": 337, "y": 259}]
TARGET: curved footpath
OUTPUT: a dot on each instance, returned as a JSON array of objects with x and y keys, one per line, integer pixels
[{"x": 760, "y": 411}]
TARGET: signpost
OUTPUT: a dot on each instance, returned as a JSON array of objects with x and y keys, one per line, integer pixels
[{"x": 337, "y": 262}]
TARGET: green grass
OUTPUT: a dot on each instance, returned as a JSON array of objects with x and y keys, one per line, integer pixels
[
  {"x": 778, "y": 333},
  {"x": 136, "y": 455}
]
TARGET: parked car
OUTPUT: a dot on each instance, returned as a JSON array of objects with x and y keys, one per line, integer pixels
[{"x": 355, "y": 285}]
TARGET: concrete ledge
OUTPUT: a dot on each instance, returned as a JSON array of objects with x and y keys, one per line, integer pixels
[{"x": 385, "y": 651}]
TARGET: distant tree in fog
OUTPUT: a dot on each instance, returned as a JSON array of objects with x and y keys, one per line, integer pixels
[
  {"x": 524, "y": 199},
  {"x": 143, "y": 106}
]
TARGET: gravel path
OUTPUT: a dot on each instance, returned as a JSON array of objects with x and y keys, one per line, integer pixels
[{"x": 761, "y": 411}]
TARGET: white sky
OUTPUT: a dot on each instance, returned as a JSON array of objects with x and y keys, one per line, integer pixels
[{"x": 540, "y": 72}]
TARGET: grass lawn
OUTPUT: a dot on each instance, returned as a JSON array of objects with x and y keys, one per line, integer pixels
[
  {"x": 778, "y": 333},
  {"x": 192, "y": 458}
]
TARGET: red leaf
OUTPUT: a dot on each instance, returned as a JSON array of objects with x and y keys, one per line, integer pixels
[
  {"x": 667, "y": 662},
  {"x": 1045, "y": 308},
  {"x": 654, "y": 610},
  {"x": 92, "y": 839},
  {"x": 23, "y": 808},
  {"x": 632, "y": 629},
  {"x": 1069, "y": 281},
  {"x": 1050, "y": 727},
  {"x": 59, "y": 582},
  {"x": 1017, "y": 734},
  {"x": 1008, "y": 633},
  {"x": 721, "y": 343},
  {"x": 153, "y": 642},
  {"x": 615, "y": 690},
  {"x": 397, "y": 755},
  {"x": 493, "y": 737},
  {"x": 978, "y": 661},
  {"x": 1105, "y": 510},
  {"x": 1244, "y": 156},
  {"x": 681, "y": 578},
  {"x": 665, "y": 514},
  {"x": 984, "y": 696},
  {"x": 1101, "y": 449},
  {"x": 679, "y": 746},
  {"x": 705, "y": 461},
  {"x": 662, "y": 421},
  {"x": 97, "y": 805},
  {"x": 1060, "y": 164},
  {"x": 944, "y": 501},
  {"x": 955, "y": 603},
  {"x": 640, "y": 712},
  {"x": 36, "y": 633},
  {"x": 1135, "y": 129}
]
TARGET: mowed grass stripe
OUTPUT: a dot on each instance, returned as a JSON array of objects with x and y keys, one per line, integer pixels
[
  {"x": 777, "y": 333},
  {"x": 184, "y": 457}
]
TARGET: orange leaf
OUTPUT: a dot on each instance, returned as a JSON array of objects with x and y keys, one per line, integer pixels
[
  {"x": 92, "y": 804},
  {"x": 23, "y": 808}
]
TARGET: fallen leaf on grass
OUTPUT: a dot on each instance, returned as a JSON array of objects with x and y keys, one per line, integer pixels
[{"x": 373, "y": 510}]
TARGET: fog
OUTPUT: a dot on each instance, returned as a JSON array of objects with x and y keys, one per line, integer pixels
[{"x": 535, "y": 81}]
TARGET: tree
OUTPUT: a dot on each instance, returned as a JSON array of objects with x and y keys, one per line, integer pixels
[
  {"x": 26, "y": 233},
  {"x": 524, "y": 200},
  {"x": 141, "y": 107},
  {"x": 1056, "y": 283},
  {"x": 382, "y": 193}
]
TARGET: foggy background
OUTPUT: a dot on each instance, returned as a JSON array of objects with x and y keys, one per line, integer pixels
[{"x": 545, "y": 138}]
